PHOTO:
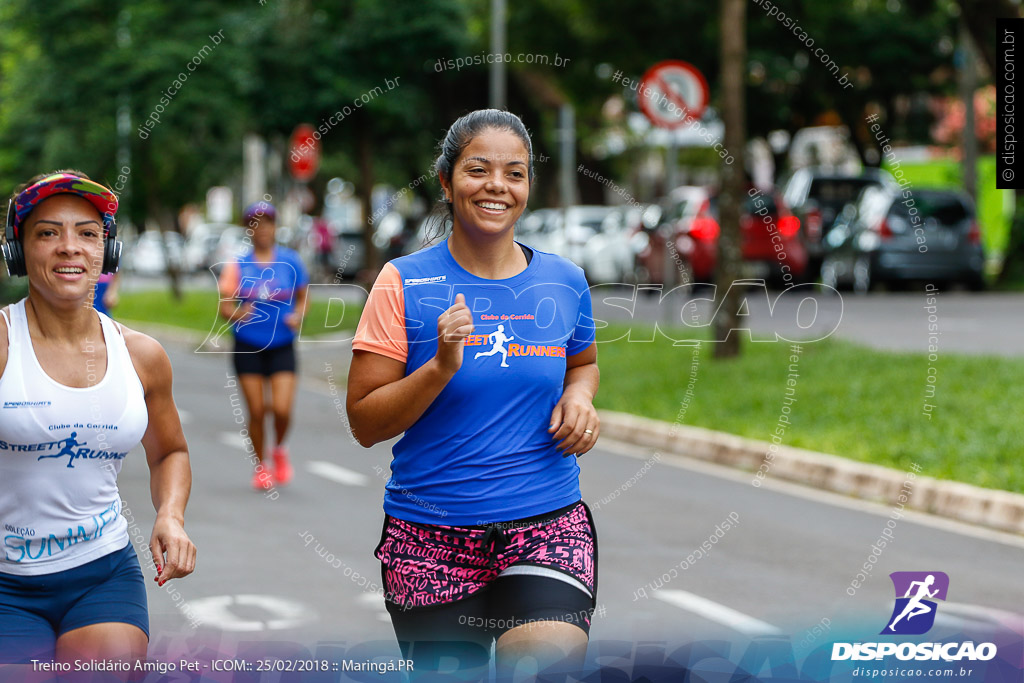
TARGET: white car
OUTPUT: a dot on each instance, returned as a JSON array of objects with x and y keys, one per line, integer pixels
[
  {"x": 233, "y": 243},
  {"x": 147, "y": 255},
  {"x": 597, "y": 240},
  {"x": 202, "y": 244},
  {"x": 537, "y": 230}
]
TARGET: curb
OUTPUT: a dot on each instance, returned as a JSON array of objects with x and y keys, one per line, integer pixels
[{"x": 1001, "y": 510}]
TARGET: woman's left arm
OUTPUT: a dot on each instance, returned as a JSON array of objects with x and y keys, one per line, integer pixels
[
  {"x": 574, "y": 414},
  {"x": 170, "y": 475}
]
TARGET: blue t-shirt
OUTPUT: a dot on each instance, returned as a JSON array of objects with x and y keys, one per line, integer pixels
[
  {"x": 272, "y": 287},
  {"x": 482, "y": 452},
  {"x": 102, "y": 285}
]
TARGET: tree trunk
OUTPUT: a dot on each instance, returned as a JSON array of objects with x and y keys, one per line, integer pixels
[
  {"x": 168, "y": 223},
  {"x": 734, "y": 60},
  {"x": 852, "y": 115},
  {"x": 364, "y": 157}
]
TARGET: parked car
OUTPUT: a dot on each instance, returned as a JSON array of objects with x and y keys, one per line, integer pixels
[
  {"x": 201, "y": 245},
  {"x": 595, "y": 244},
  {"x": 693, "y": 230},
  {"x": 389, "y": 235},
  {"x": 655, "y": 241},
  {"x": 818, "y": 195},
  {"x": 149, "y": 254},
  {"x": 538, "y": 230},
  {"x": 626, "y": 222},
  {"x": 763, "y": 255},
  {"x": 884, "y": 237},
  {"x": 233, "y": 242},
  {"x": 647, "y": 245},
  {"x": 686, "y": 239},
  {"x": 596, "y": 238}
]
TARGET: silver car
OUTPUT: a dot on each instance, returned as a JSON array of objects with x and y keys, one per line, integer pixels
[{"x": 892, "y": 236}]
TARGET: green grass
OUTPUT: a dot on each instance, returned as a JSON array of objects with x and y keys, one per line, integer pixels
[
  {"x": 198, "y": 311},
  {"x": 993, "y": 216},
  {"x": 851, "y": 401}
]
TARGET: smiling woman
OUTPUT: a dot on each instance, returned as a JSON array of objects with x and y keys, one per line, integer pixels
[
  {"x": 485, "y": 538},
  {"x": 81, "y": 392}
]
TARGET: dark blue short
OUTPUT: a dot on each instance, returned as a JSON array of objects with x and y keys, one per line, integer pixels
[{"x": 36, "y": 610}]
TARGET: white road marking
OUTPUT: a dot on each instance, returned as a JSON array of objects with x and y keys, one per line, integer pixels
[
  {"x": 337, "y": 473},
  {"x": 789, "y": 488},
  {"x": 375, "y": 601},
  {"x": 721, "y": 614},
  {"x": 980, "y": 616},
  {"x": 233, "y": 439},
  {"x": 284, "y": 614}
]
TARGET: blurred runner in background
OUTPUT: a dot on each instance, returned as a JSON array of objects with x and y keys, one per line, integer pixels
[
  {"x": 105, "y": 297},
  {"x": 263, "y": 295},
  {"x": 323, "y": 243}
]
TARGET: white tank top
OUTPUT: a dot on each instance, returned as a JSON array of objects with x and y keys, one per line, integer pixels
[{"x": 60, "y": 452}]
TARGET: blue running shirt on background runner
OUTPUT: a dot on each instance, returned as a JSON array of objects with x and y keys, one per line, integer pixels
[{"x": 273, "y": 288}]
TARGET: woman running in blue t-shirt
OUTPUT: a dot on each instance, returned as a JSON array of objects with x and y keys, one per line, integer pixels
[
  {"x": 263, "y": 296},
  {"x": 485, "y": 537}
]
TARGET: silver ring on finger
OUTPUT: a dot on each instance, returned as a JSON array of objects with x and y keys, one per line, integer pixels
[{"x": 588, "y": 431}]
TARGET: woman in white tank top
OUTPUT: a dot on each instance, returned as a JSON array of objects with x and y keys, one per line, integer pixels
[{"x": 77, "y": 393}]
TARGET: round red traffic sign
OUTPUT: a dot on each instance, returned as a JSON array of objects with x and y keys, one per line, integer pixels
[
  {"x": 304, "y": 153},
  {"x": 672, "y": 93}
]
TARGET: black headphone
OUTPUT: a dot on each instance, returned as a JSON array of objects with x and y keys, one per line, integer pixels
[{"x": 14, "y": 253}]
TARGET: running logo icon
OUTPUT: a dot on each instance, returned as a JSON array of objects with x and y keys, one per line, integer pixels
[
  {"x": 499, "y": 338},
  {"x": 914, "y": 612}
]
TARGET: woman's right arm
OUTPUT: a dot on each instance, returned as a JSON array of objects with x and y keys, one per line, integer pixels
[
  {"x": 383, "y": 402},
  {"x": 227, "y": 284}
]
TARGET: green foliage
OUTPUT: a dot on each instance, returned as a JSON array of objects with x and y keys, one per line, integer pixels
[
  {"x": 276, "y": 65},
  {"x": 283, "y": 62},
  {"x": 12, "y": 289}
]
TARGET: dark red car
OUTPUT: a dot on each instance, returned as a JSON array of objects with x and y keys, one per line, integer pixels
[{"x": 685, "y": 240}]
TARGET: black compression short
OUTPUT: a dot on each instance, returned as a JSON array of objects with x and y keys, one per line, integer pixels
[{"x": 254, "y": 360}]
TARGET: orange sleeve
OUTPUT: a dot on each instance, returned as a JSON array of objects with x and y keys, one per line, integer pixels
[
  {"x": 228, "y": 282},
  {"x": 381, "y": 327}
]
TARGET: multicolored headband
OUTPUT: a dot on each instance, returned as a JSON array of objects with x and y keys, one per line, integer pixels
[{"x": 99, "y": 196}]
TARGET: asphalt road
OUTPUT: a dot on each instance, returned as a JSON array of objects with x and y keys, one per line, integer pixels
[{"x": 288, "y": 568}]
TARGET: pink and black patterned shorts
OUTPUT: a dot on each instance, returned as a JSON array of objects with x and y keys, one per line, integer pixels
[{"x": 426, "y": 565}]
